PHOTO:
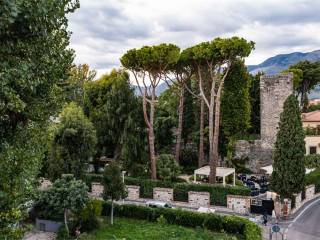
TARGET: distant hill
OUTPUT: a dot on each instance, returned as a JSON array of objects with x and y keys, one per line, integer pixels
[
  {"x": 270, "y": 66},
  {"x": 281, "y": 62}
]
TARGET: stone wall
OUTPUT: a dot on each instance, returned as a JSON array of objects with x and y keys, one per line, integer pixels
[
  {"x": 239, "y": 204},
  {"x": 163, "y": 194},
  {"x": 96, "y": 189},
  {"x": 310, "y": 192},
  {"x": 298, "y": 200},
  {"x": 199, "y": 199},
  {"x": 133, "y": 192}
]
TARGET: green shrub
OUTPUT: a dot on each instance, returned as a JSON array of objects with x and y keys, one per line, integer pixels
[
  {"x": 189, "y": 160},
  {"x": 218, "y": 193},
  {"x": 88, "y": 217},
  {"x": 213, "y": 222},
  {"x": 63, "y": 234},
  {"x": 312, "y": 161},
  {"x": 313, "y": 178},
  {"x": 167, "y": 167}
]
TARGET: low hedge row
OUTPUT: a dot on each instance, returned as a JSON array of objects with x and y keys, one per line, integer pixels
[
  {"x": 229, "y": 224},
  {"x": 218, "y": 193}
]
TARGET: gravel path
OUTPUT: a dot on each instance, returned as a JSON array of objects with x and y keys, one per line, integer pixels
[{"x": 37, "y": 235}]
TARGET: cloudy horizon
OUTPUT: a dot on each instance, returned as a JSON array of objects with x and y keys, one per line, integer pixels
[{"x": 102, "y": 31}]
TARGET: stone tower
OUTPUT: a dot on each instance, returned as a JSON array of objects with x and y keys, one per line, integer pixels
[{"x": 274, "y": 90}]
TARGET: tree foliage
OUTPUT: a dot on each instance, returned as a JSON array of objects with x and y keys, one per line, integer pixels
[
  {"x": 35, "y": 61},
  {"x": 150, "y": 64},
  {"x": 113, "y": 184},
  {"x": 235, "y": 101},
  {"x": 306, "y": 77},
  {"x": 288, "y": 159},
  {"x": 74, "y": 142},
  {"x": 167, "y": 167},
  {"x": 64, "y": 196}
]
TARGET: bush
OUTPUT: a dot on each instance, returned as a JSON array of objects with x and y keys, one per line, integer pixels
[
  {"x": 218, "y": 193},
  {"x": 213, "y": 222},
  {"x": 312, "y": 161},
  {"x": 89, "y": 215},
  {"x": 313, "y": 178},
  {"x": 189, "y": 160},
  {"x": 63, "y": 234},
  {"x": 167, "y": 167}
]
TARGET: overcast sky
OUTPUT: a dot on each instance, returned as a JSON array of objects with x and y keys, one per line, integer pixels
[{"x": 103, "y": 30}]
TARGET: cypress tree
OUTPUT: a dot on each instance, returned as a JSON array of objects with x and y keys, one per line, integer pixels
[{"x": 288, "y": 165}]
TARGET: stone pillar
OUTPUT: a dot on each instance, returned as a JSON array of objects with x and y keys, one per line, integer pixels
[
  {"x": 297, "y": 200},
  {"x": 239, "y": 204},
  {"x": 133, "y": 192},
  {"x": 310, "y": 192},
  {"x": 199, "y": 199},
  {"x": 96, "y": 189},
  {"x": 163, "y": 194}
]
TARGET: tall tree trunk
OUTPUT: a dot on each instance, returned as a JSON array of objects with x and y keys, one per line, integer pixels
[
  {"x": 215, "y": 154},
  {"x": 151, "y": 137},
  {"x": 180, "y": 124},
  {"x": 212, "y": 129},
  {"x": 201, "y": 137},
  {"x": 66, "y": 220},
  {"x": 111, "y": 217}
]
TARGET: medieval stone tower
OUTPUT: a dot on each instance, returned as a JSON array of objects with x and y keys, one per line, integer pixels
[{"x": 274, "y": 90}]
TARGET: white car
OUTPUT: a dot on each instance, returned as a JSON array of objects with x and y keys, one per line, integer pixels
[
  {"x": 206, "y": 210},
  {"x": 158, "y": 204}
]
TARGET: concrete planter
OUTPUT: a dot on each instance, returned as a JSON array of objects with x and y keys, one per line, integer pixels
[{"x": 47, "y": 225}]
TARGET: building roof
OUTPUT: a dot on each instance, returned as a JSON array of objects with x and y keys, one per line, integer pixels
[
  {"x": 311, "y": 116},
  {"x": 221, "y": 171}
]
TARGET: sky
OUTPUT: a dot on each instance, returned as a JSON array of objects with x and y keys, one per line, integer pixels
[{"x": 103, "y": 30}]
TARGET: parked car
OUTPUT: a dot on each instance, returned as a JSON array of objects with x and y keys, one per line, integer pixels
[{"x": 158, "y": 204}]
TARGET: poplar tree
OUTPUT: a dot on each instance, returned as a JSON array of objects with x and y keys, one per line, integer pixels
[{"x": 288, "y": 164}]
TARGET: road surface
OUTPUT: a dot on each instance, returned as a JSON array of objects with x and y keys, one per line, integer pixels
[{"x": 306, "y": 226}]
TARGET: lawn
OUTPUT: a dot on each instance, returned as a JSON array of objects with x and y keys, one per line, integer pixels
[{"x": 131, "y": 229}]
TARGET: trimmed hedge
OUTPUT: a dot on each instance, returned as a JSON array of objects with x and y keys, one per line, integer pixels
[
  {"x": 312, "y": 161},
  {"x": 147, "y": 185},
  {"x": 218, "y": 193},
  {"x": 229, "y": 224}
]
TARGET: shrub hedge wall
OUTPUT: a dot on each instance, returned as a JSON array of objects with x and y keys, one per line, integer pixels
[
  {"x": 229, "y": 224},
  {"x": 218, "y": 193}
]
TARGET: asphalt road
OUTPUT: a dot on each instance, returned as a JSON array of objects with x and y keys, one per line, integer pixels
[{"x": 306, "y": 226}]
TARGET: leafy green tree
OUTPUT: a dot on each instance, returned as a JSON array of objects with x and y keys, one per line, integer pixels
[
  {"x": 73, "y": 144},
  {"x": 167, "y": 167},
  {"x": 288, "y": 158},
  {"x": 213, "y": 56},
  {"x": 113, "y": 185},
  {"x": 255, "y": 103},
  {"x": 235, "y": 101},
  {"x": 64, "y": 197},
  {"x": 74, "y": 87},
  {"x": 35, "y": 62},
  {"x": 306, "y": 77},
  {"x": 166, "y": 119},
  {"x": 150, "y": 64},
  {"x": 111, "y": 105}
]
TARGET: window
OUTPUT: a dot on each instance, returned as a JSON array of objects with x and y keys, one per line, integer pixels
[{"x": 312, "y": 150}]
